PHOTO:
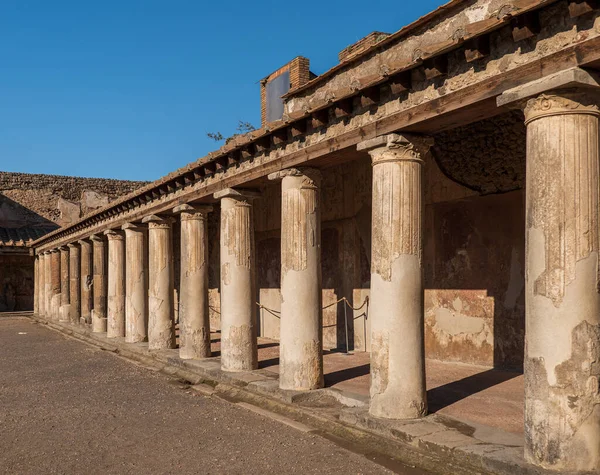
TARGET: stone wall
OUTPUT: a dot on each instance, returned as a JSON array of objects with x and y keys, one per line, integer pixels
[
  {"x": 50, "y": 200},
  {"x": 44, "y": 202}
]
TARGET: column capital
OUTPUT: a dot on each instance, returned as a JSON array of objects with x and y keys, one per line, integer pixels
[
  {"x": 114, "y": 234},
  {"x": 134, "y": 227},
  {"x": 313, "y": 174},
  {"x": 74, "y": 245},
  {"x": 96, "y": 238},
  {"x": 189, "y": 212},
  {"x": 84, "y": 242},
  {"x": 242, "y": 195},
  {"x": 396, "y": 147},
  {"x": 155, "y": 221},
  {"x": 562, "y": 102},
  {"x": 64, "y": 248}
]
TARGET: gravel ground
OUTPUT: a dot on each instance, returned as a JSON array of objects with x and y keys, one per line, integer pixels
[{"x": 68, "y": 408}]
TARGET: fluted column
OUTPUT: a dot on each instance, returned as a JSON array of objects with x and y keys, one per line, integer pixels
[
  {"x": 87, "y": 281},
  {"x": 74, "y": 283},
  {"x": 41, "y": 284},
  {"x": 115, "y": 311},
  {"x": 55, "y": 285},
  {"x": 194, "y": 322},
  {"x": 48, "y": 284},
  {"x": 238, "y": 296},
  {"x": 161, "y": 325},
  {"x": 100, "y": 284},
  {"x": 396, "y": 304},
  {"x": 301, "y": 340},
  {"x": 65, "y": 293},
  {"x": 136, "y": 283},
  {"x": 562, "y": 350}
]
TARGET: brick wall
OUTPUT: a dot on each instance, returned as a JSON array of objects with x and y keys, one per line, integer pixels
[{"x": 300, "y": 74}]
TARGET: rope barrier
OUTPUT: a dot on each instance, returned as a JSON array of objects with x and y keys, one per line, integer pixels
[{"x": 277, "y": 313}]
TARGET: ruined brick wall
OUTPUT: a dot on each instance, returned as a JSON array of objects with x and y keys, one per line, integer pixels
[
  {"x": 45, "y": 202},
  {"x": 473, "y": 248}
]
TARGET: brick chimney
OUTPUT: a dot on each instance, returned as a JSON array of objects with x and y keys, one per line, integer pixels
[
  {"x": 294, "y": 74},
  {"x": 361, "y": 45}
]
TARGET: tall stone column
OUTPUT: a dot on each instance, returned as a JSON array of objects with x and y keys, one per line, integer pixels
[
  {"x": 74, "y": 283},
  {"x": 48, "y": 284},
  {"x": 87, "y": 281},
  {"x": 41, "y": 284},
  {"x": 562, "y": 350},
  {"x": 65, "y": 293},
  {"x": 136, "y": 283},
  {"x": 194, "y": 322},
  {"x": 55, "y": 285},
  {"x": 239, "y": 350},
  {"x": 301, "y": 340},
  {"x": 100, "y": 284},
  {"x": 161, "y": 325},
  {"x": 396, "y": 302},
  {"x": 36, "y": 274},
  {"x": 115, "y": 311}
]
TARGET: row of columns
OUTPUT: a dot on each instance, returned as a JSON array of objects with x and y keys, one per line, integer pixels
[{"x": 562, "y": 396}]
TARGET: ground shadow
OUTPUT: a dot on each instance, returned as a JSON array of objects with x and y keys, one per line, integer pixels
[
  {"x": 448, "y": 394},
  {"x": 341, "y": 375}
]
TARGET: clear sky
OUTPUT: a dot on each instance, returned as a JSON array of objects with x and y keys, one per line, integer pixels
[{"x": 129, "y": 88}]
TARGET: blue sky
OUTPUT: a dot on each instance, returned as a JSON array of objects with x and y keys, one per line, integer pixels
[{"x": 128, "y": 88}]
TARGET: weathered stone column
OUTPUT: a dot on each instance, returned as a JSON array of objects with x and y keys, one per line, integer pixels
[
  {"x": 48, "y": 284},
  {"x": 36, "y": 275},
  {"x": 239, "y": 350},
  {"x": 41, "y": 284},
  {"x": 55, "y": 284},
  {"x": 194, "y": 322},
  {"x": 562, "y": 351},
  {"x": 100, "y": 284},
  {"x": 301, "y": 340},
  {"x": 65, "y": 293},
  {"x": 396, "y": 302},
  {"x": 136, "y": 283},
  {"x": 161, "y": 325},
  {"x": 115, "y": 310},
  {"x": 87, "y": 281},
  {"x": 75, "y": 283}
]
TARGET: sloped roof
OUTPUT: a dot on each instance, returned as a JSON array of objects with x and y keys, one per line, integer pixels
[{"x": 22, "y": 237}]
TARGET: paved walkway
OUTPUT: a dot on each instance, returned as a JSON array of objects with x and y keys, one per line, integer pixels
[
  {"x": 68, "y": 408},
  {"x": 464, "y": 392}
]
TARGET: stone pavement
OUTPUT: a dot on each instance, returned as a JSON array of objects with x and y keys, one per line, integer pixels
[
  {"x": 69, "y": 408},
  {"x": 458, "y": 437}
]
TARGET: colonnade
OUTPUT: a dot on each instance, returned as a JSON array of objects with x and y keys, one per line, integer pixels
[{"x": 134, "y": 300}]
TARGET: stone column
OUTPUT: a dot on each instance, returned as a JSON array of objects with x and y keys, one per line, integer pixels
[
  {"x": 75, "y": 283},
  {"x": 87, "y": 281},
  {"x": 41, "y": 284},
  {"x": 161, "y": 325},
  {"x": 55, "y": 285},
  {"x": 396, "y": 301},
  {"x": 48, "y": 284},
  {"x": 562, "y": 350},
  {"x": 136, "y": 283},
  {"x": 36, "y": 275},
  {"x": 301, "y": 340},
  {"x": 116, "y": 284},
  {"x": 100, "y": 284},
  {"x": 65, "y": 293},
  {"x": 194, "y": 322},
  {"x": 239, "y": 350}
]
